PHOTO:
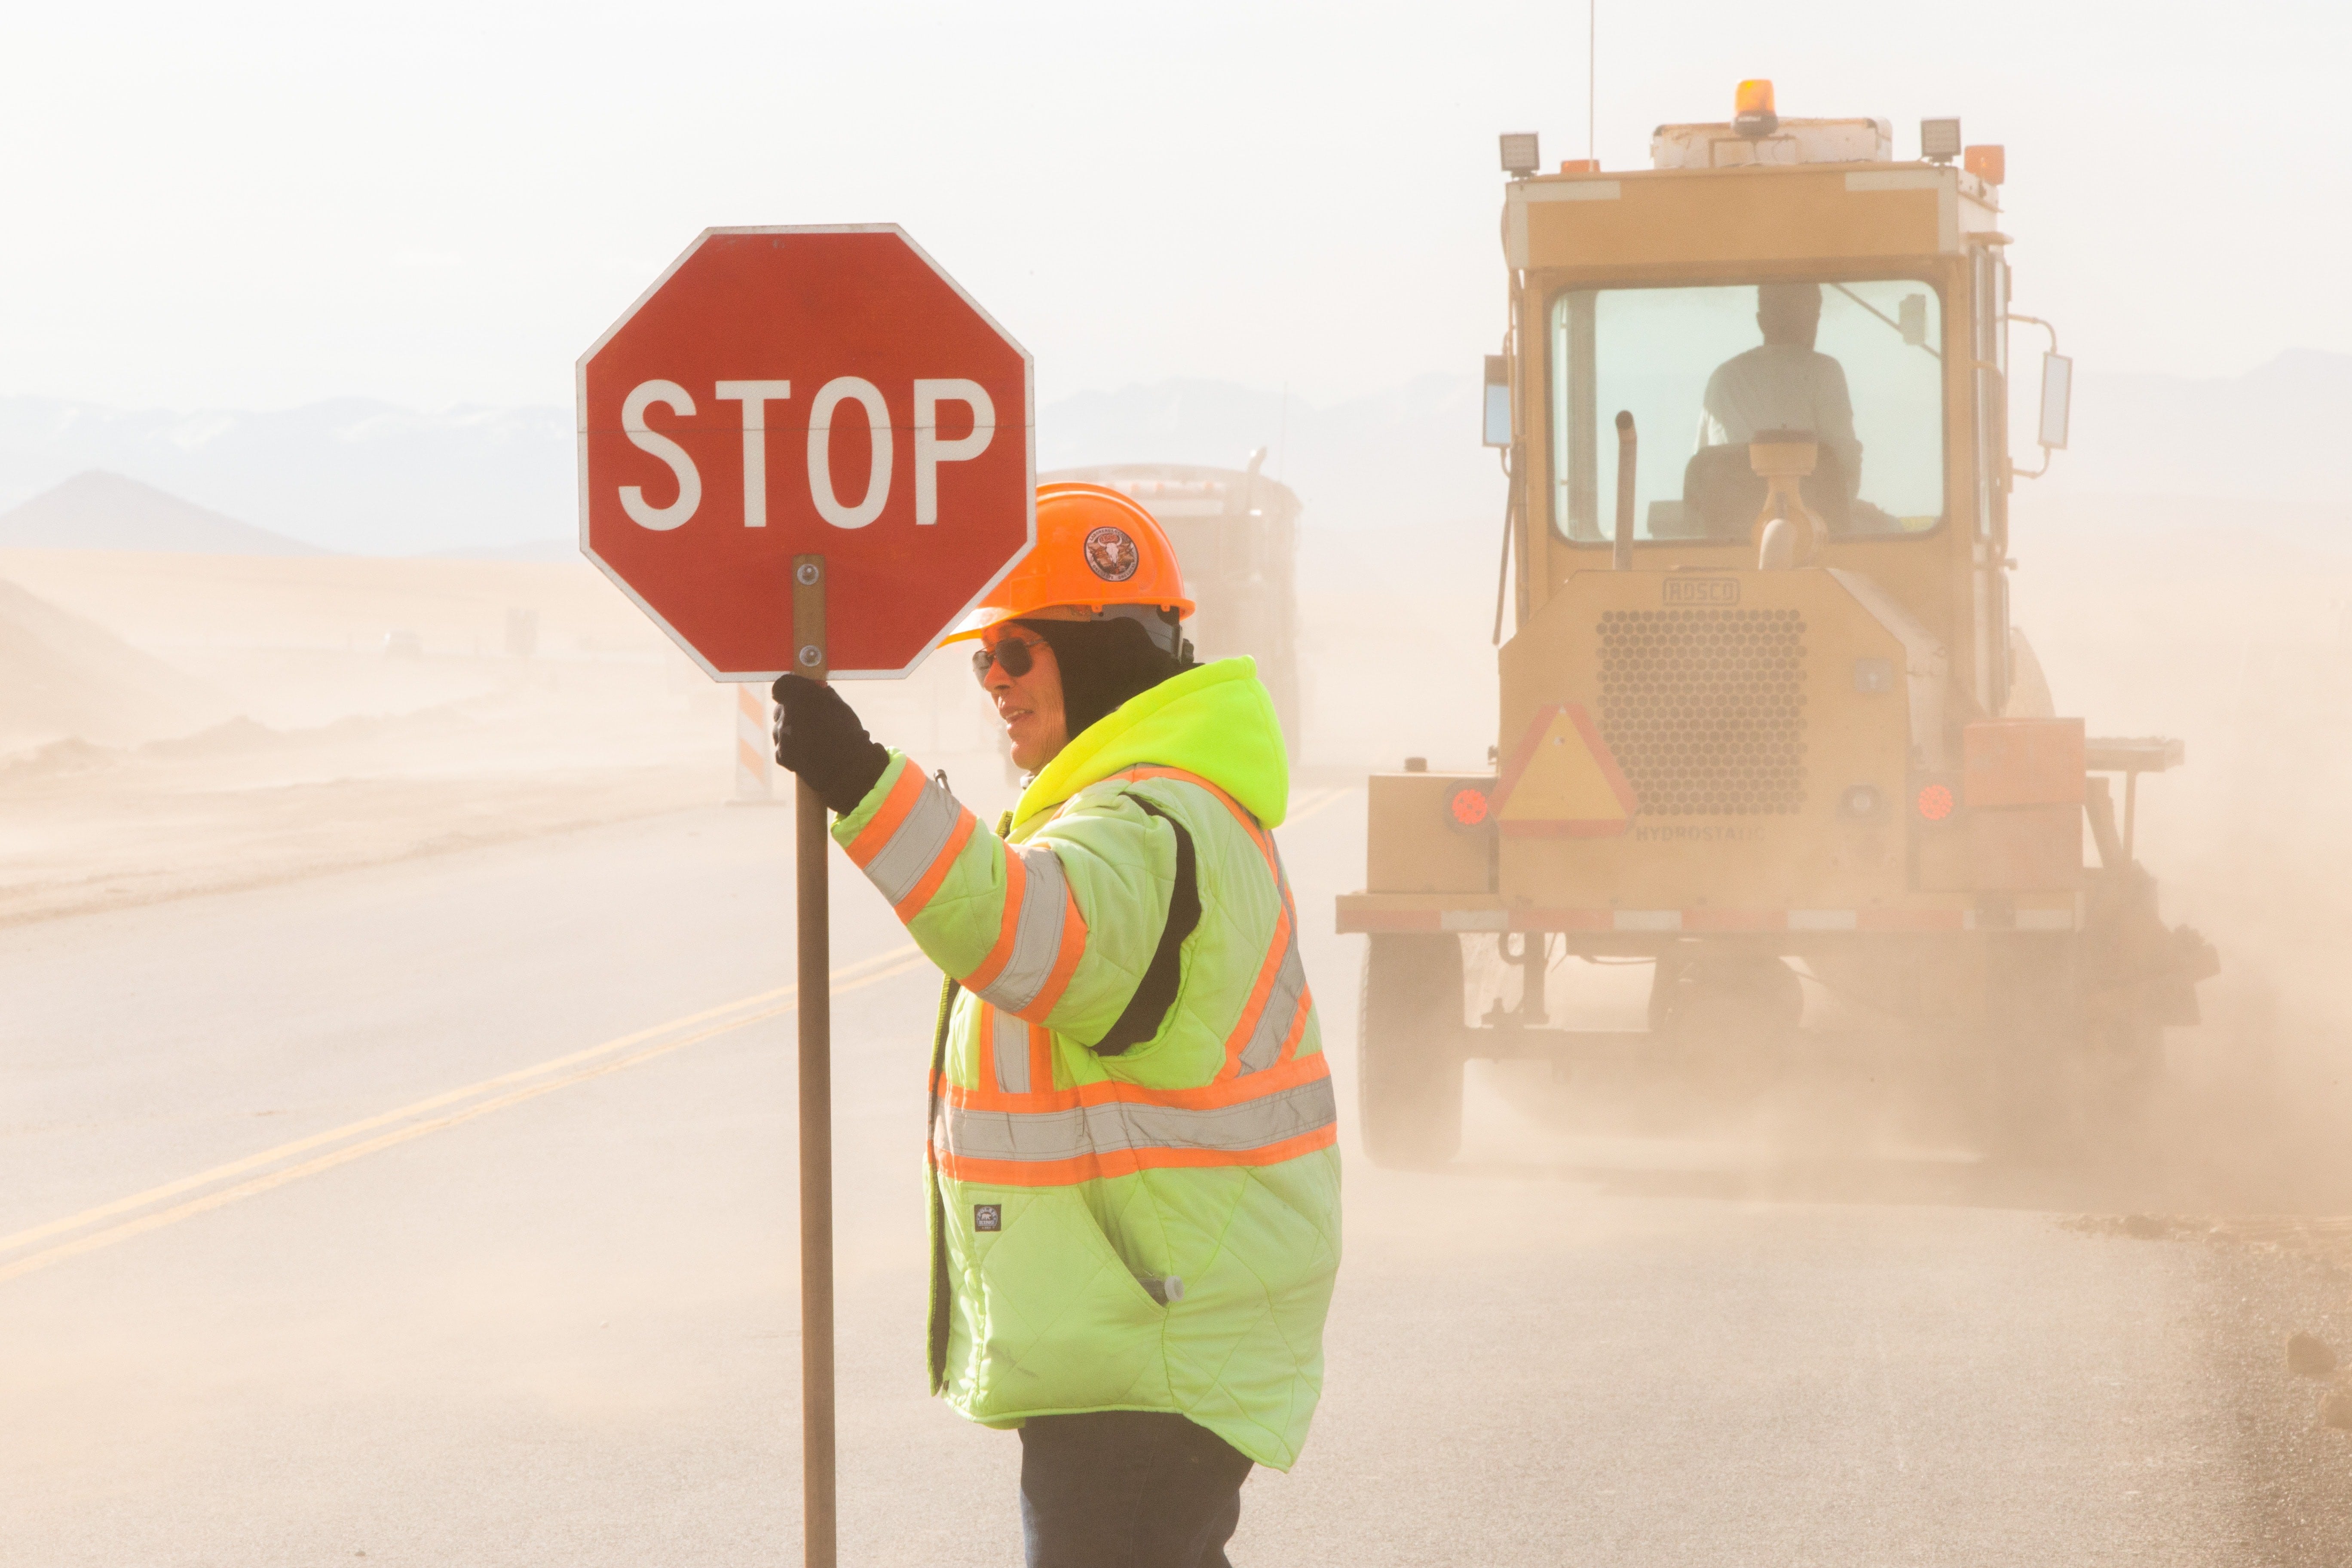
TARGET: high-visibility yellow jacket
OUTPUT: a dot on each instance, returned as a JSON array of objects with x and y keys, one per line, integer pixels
[{"x": 1133, "y": 1153}]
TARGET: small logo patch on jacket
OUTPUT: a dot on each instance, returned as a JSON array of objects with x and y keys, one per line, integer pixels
[{"x": 987, "y": 1217}]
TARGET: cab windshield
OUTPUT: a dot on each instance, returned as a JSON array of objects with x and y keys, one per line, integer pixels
[{"x": 1856, "y": 366}]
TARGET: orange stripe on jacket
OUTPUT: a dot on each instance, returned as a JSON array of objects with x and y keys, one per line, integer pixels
[
  {"x": 912, "y": 904},
  {"x": 1238, "y": 1040},
  {"x": 1267, "y": 972},
  {"x": 1065, "y": 960},
  {"x": 984, "y": 1063},
  {"x": 894, "y": 807},
  {"x": 1289, "y": 1051},
  {"x": 1250, "y": 824},
  {"x": 1008, "y": 928}
]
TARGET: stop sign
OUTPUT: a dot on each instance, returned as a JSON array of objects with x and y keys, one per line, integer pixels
[{"x": 781, "y": 392}]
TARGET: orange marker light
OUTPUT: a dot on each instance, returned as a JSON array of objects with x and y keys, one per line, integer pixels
[
  {"x": 1468, "y": 804},
  {"x": 1936, "y": 801}
]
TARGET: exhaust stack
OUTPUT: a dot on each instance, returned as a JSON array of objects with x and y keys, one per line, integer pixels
[{"x": 1621, "y": 558}]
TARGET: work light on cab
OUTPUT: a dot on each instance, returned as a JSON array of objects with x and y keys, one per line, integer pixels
[{"x": 1936, "y": 801}]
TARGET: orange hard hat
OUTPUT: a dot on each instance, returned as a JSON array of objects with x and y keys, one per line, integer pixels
[{"x": 1095, "y": 549}]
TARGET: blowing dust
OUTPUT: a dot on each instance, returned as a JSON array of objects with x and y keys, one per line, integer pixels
[
  {"x": 189, "y": 724},
  {"x": 185, "y": 723},
  {"x": 2229, "y": 625},
  {"x": 2218, "y": 624}
]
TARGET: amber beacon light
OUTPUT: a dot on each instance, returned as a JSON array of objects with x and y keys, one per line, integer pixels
[
  {"x": 1936, "y": 801},
  {"x": 1751, "y": 109}
]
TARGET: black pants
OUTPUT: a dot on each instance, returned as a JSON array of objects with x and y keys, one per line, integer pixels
[{"x": 1127, "y": 1489}]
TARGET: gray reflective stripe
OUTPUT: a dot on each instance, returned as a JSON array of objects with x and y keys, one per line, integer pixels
[
  {"x": 1037, "y": 940},
  {"x": 1282, "y": 1002},
  {"x": 1069, "y": 1134},
  {"x": 1009, "y": 1043},
  {"x": 1282, "y": 883},
  {"x": 900, "y": 864}
]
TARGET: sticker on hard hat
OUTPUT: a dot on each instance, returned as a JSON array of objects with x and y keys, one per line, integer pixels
[{"x": 1111, "y": 555}]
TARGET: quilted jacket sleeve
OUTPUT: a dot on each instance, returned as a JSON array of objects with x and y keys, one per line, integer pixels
[{"x": 1056, "y": 929}]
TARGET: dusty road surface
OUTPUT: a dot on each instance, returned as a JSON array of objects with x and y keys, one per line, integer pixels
[{"x": 441, "y": 1212}]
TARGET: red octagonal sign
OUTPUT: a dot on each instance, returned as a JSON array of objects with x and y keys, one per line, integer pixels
[{"x": 781, "y": 392}]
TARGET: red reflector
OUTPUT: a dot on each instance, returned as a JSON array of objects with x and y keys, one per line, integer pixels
[
  {"x": 1936, "y": 801},
  {"x": 1469, "y": 806}
]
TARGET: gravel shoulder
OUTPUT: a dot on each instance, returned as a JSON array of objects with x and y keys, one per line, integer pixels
[{"x": 2297, "y": 1473}]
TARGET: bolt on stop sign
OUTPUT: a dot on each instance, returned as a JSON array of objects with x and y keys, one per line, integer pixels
[{"x": 781, "y": 392}]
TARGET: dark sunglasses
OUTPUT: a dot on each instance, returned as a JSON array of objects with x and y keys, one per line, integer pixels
[{"x": 1010, "y": 654}]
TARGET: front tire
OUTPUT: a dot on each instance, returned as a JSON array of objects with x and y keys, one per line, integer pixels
[{"x": 1409, "y": 1049}]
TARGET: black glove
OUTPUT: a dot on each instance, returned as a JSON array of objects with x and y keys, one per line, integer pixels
[{"x": 820, "y": 738}]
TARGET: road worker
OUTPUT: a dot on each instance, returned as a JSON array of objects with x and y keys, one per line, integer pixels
[{"x": 1133, "y": 1169}]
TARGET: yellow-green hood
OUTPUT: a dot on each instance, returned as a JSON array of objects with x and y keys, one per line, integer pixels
[{"x": 1214, "y": 719}]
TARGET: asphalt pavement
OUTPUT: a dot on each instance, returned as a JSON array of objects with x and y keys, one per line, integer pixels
[{"x": 443, "y": 1213}]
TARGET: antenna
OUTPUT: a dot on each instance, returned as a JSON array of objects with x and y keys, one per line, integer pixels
[
  {"x": 1591, "y": 76},
  {"x": 1282, "y": 435}
]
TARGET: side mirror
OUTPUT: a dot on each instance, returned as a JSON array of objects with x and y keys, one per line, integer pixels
[
  {"x": 1498, "y": 401},
  {"x": 1911, "y": 319},
  {"x": 2057, "y": 391}
]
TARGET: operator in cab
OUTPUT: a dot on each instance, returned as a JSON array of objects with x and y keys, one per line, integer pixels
[
  {"x": 1133, "y": 1166},
  {"x": 1784, "y": 383}
]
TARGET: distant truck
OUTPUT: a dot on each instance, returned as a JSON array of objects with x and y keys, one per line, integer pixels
[{"x": 1236, "y": 533}]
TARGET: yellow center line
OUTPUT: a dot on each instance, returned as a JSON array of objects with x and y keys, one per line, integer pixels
[
  {"x": 1317, "y": 804},
  {"x": 784, "y": 996}
]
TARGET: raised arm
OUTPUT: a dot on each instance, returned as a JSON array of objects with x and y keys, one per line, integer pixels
[{"x": 1057, "y": 930}]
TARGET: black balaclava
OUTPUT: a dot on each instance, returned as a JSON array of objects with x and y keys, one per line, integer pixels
[{"x": 1103, "y": 664}]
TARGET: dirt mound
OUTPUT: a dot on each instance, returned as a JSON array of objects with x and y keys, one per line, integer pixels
[
  {"x": 70, "y": 755},
  {"x": 64, "y": 675},
  {"x": 235, "y": 738}
]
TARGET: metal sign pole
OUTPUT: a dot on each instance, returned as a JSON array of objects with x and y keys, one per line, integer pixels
[{"x": 810, "y": 847}]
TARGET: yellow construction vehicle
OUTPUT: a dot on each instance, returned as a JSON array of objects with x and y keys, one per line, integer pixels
[{"x": 1762, "y": 700}]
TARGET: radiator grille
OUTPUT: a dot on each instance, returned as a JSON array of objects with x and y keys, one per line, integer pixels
[{"x": 1705, "y": 708}]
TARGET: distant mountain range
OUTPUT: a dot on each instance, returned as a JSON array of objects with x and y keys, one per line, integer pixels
[
  {"x": 347, "y": 476},
  {"x": 98, "y": 511},
  {"x": 2273, "y": 433},
  {"x": 370, "y": 478}
]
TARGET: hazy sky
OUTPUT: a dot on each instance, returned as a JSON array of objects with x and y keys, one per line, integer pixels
[{"x": 258, "y": 206}]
